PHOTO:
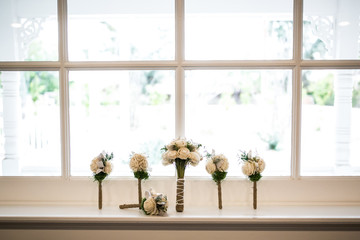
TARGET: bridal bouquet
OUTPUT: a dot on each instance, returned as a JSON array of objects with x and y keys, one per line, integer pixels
[
  {"x": 101, "y": 167},
  {"x": 252, "y": 166},
  {"x": 154, "y": 203},
  {"x": 181, "y": 152},
  {"x": 216, "y": 166},
  {"x": 139, "y": 165}
]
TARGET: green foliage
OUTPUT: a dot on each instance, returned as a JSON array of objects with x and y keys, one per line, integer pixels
[
  {"x": 141, "y": 175},
  {"x": 100, "y": 176},
  {"x": 322, "y": 91},
  {"x": 218, "y": 176},
  {"x": 272, "y": 140},
  {"x": 180, "y": 167},
  {"x": 255, "y": 177},
  {"x": 39, "y": 83},
  {"x": 356, "y": 95}
]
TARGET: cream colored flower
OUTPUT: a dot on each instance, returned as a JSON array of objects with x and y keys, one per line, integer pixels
[
  {"x": 93, "y": 165},
  {"x": 210, "y": 166},
  {"x": 183, "y": 153},
  {"x": 261, "y": 165},
  {"x": 108, "y": 167},
  {"x": 248, "y": 168},
  {"x": 194, "y": 157},
  {"x": 150, "y": 206},
  {"x": 171, "y": 155},
  {"x": 138, "y": 162},
  {"x": 222, "y": 163},
  {"x": 180, "y": 143}
]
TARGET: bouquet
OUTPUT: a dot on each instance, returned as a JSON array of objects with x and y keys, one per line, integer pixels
[
  {"x": 139, "y": 166},
  {"x": 216, "y": 166},
  {"x": 252, "y": 166},
  {"x": 154, "y": 203},
  {"x": 101, "y": 167},
  {"x": 181, "y": 153}
]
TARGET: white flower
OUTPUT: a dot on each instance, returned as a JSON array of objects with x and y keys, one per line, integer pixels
[
  {"x": 222, "y": 163},
  {"x": 194, "y": 157},
  {"x": 93, "y": 165},
  {"x": 108, "y": 167},
  {"x": 138, "y": 162},
  {"x": 249, "y": 155},
  {"x": 248, "y": 168},
  {"x": 261, "y": 165},
  {"x": 210, "y": 166},
  {"x": 180, "y": 143},
  {"x": 171, "y": 155},
  {"x": 183, "y": 153},
  {"x": 150, "y": 206}
]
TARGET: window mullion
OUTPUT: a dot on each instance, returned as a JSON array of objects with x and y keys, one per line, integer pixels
[
  {"x": 296, "y": 102},
  {"x": 64, "y": 90},
  {"x": 180, "y": 74}
]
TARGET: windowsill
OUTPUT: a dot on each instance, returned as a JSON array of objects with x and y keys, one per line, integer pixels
[{"x": 300, "y": 218}]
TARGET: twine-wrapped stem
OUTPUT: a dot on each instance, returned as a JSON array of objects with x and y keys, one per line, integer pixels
[
  {"x": 100, "y": 195},
  {"x": 139, "y": 192},
  {"x": 254, "y": 195},
  {"x": 135, "y": 205},
  {"x": 219, "y": 195},
  {"x": 180, "y": 165}
]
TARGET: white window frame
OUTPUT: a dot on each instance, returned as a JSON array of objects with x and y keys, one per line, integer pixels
[{"x": 301, "y": 189}]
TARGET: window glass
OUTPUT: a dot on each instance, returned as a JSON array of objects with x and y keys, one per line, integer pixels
[
  {"x": 30, "y": 123},
  {"x": 237, "y": 110},
  {"x": 121, "y": 30},
  {"x": 330, "y": 122},
  {"x": 120, "y": 112},
  {"x": 232, "y": 29},
  {"x": 331, "y": 29},
  {"x": 28, "y": 30}
]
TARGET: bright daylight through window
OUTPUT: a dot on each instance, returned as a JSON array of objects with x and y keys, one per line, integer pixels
[{"x": 126, "y": 76}]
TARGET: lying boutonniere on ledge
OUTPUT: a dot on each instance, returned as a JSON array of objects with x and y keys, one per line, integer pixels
[
  {"x": 181, "y": 152},
  {"x": 139, "y": 166},
  {"x": 154, "y": 203},
  {"x": 216, "y": 166},
  {"x": 101, "y": 168},
  {"x": 252, "y": 166}
]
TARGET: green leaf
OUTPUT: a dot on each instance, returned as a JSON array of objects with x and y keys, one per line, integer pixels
[
  {"x": 141, "y": 175},
  {"x": 255, "y": 177},
  {"x": 218, "y": 176}
]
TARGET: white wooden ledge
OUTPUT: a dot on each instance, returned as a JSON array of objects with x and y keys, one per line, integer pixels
[{"x": 276, "y": 218}]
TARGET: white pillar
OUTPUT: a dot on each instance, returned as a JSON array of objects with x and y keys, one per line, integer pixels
[
  {"x": 11, "y": 118},
  {"x": 347, "y": 47},
  {"x": 11, "y": 89}
]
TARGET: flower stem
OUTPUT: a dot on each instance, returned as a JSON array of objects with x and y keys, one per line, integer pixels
[
  {"x": 219, "y": 195},
  {"x": 100, "y": 195},
  {"x": 254, "y": 195},
  {"x": 139, "y": 192},
  {"x": 123, "y": 206}
]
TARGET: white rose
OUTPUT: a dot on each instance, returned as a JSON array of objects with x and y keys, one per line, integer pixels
[
  {"x": 249, "y": 155},
  {"x": 171, "y": 155},
  {"x": 138, "y": 162},
  {"x": 210, "y": 167},
  {"x": 108, "y": 167},
  {"x": 183, "y": 153},
  {"x": 223, "y": 164},
  {"x": 261, "y": 164},
  {"x": 150, "y": 206},
  {"x": 180, "y": 143},
  {"x": 248, "y": 168},
  {"x": 93, "y": 165},
  {"x": 194, "y": 157}
]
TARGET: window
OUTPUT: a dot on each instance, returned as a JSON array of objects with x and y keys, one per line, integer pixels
[{"x": 281, "y": 77}]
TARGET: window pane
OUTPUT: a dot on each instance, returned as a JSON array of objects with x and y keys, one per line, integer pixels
[
  {"x": 331, "y": 29},
  {"x": 28, "y": 30},
  {"x": 30, "y": 123},
  {"x": 330, "y": 122},
  {"x": 232, "y": 29},
  {"x": 230, "y": 111},
  {"x": 120, "y": 112},
  {"x": 121, "y": 30}
]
